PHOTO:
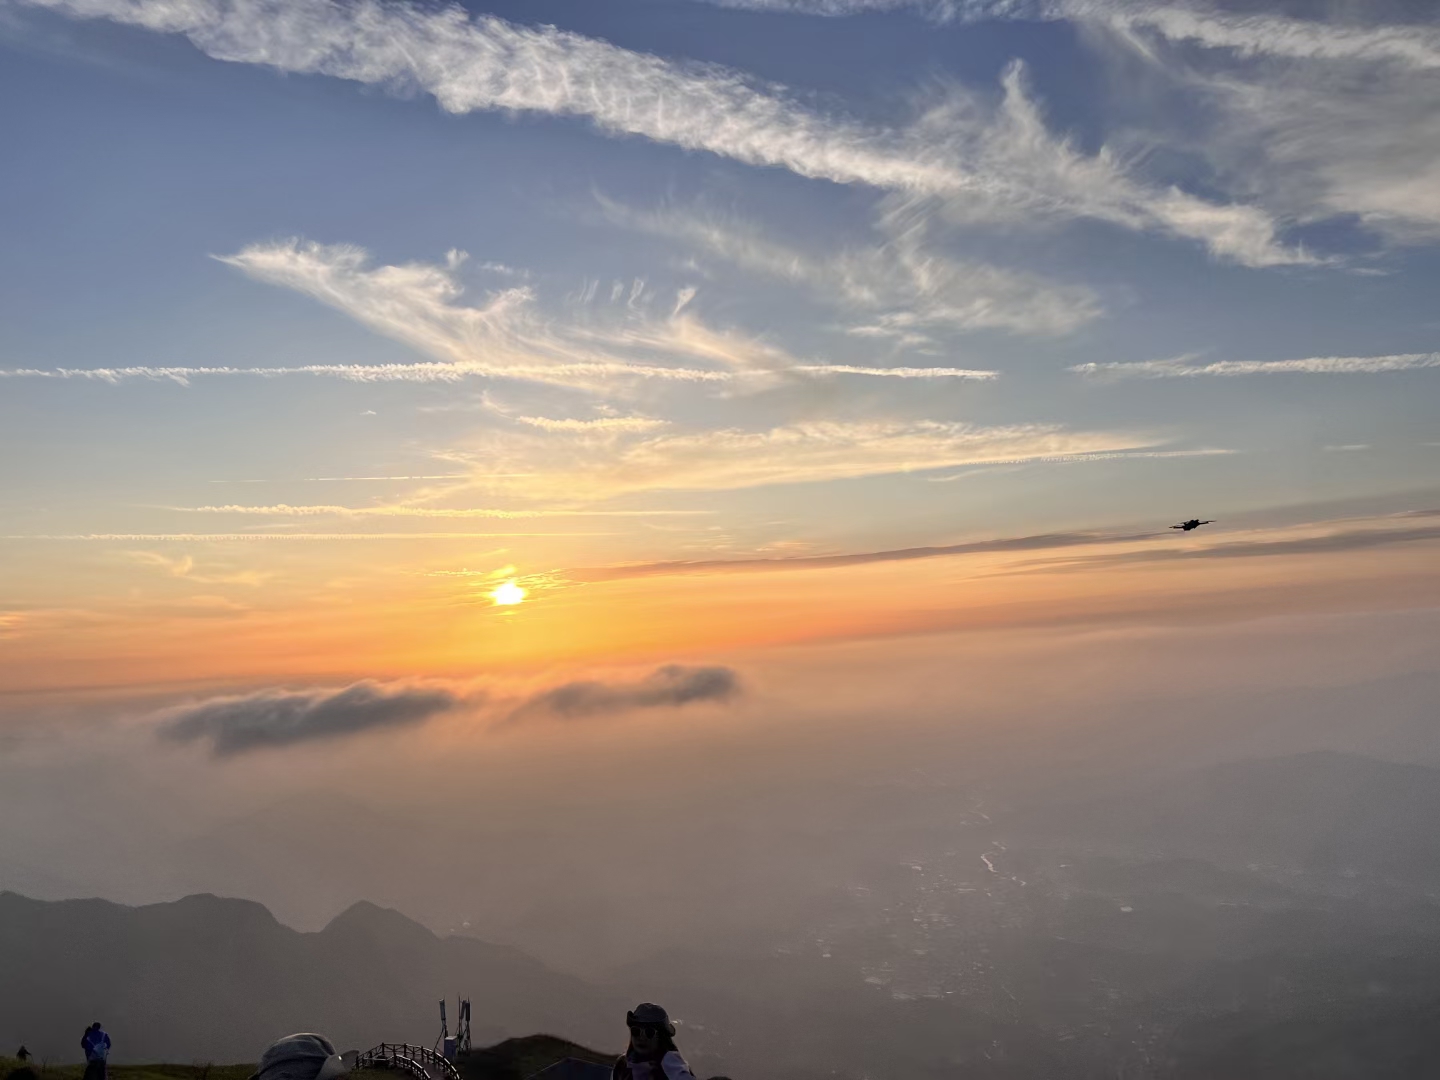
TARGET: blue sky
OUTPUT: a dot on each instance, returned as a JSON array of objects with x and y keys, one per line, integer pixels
[{"x": 722, "y": 278}]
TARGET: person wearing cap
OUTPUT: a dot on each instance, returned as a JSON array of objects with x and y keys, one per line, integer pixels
[
  {"x": 305, "y": 1056},
  {"x": 652, "y": 1054}
]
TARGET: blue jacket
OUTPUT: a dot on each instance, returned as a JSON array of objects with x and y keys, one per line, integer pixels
[{"x": 96, "y": 1044}]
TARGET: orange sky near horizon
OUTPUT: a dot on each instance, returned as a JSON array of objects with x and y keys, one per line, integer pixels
[{"x": 276, "y": 621}]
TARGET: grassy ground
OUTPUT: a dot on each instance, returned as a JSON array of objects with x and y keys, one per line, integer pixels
[
  {"x": 512, "y": 1059},
  {"x": 515, "y": 1059},
  {"x": 131, "y": 1072}
]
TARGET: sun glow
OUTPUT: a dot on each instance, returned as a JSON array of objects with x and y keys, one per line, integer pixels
[{"x": 507, "y": 592}]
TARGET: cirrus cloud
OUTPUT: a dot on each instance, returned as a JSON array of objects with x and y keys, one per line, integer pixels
[{"x": 985, "y": 165}]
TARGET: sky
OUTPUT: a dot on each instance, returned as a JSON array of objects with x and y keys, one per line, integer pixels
[{"x": 406, "y": 380}]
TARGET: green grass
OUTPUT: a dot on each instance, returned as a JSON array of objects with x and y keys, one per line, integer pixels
[{"x": 133, "y": 1072}]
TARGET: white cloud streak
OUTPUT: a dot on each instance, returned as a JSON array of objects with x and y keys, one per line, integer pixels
[
  {"x": 421, "y": 305},
  {"x": 287, "y": 510},
  {"x": 601, "y": 423},
  {"x": 1316, "y": 116},
  {"x": 1079, "y": 459},
  {"x": 379, "y": 373},
  {"x": 485, "y": 63},
  {"x": 791, "y": 454},
  {"x": 260, "y": 536},
  {"x": 1185, "y": 368},
  {"x": 900, "y": 372},
  {"x": 910, "y": 287},
  {"x": 1247, "y": 34}
]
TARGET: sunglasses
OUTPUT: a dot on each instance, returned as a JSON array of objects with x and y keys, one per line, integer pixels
[{"x": 648, "y": 1031}]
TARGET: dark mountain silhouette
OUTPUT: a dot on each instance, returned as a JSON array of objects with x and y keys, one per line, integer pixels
[{"x": 206, "y": 978}]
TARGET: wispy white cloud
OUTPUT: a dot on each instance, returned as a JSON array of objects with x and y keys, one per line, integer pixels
[
  {"x": 339, "y": 479},
  {"x": 1264, "y": 34},
  {"x": 246, "y": 537},
  {"x": 1033, "y": 175},
  {"x": 1185, "y": 368},
  {"x": 584, "y": 373},
  {"x": 423, "y": 306},
  {"x": 1248, "y": 33},
  {"x": 1317, "y": 117},
  {"x": 907, "y": 285},
  {"x": 1077, "y": 459},
  {"x": 939, "y": 10},
  {"x": 486, "y": 63},
  {"x": 287, "y": 510},
  {"x": 790, "y": 454},
  {"x": 183, "y": 566},
  {"x": 979, "y": 375},
  {"x": 599, "y": 423},
  {"x": 1331, "y": 114}
]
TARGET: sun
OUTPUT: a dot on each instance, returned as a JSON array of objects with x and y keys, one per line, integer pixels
[{"x": 507, "y": 592}]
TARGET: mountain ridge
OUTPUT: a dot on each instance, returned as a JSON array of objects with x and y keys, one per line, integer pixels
[{"x": 218, "y": 978}]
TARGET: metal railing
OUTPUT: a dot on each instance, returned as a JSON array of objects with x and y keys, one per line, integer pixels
[{"x": 419, "y": 1061}]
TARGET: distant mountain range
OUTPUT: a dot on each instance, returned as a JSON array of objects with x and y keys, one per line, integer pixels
[{"x": 211, "y": 979}]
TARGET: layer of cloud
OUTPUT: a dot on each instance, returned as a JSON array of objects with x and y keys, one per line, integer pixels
[
  {"x": 1007, "y": 165},
  {"x": 1319, "y": 116},
  {"x": 420, "y": 304},
  {"x": 184, "y": 566},
  {"x": 247, "y": 537},
  {"x": 1327, "y": 543},
  {"x": 327, "y": 510},
  {"x": 615, "y": 464},
  {"x": 1041, "y": 542},
  {"x": 583, "y": 374},
  {"x": 1186, "y": 368},
  {"x": 666, "y": 687},
  {"x": 1247, "y": 33},
  {"x": 1036, "y": 176},
  {"x": 902, "y": 288},
  {"x": 599, "y": 423},
  {"x": 276, "y": 718}
]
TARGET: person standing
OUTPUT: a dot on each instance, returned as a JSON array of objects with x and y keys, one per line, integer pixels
[
  {"x": 23, "y": 1054},
  {"x": 96, "y": 1044},
  {"x": 652, "y": 1054}
]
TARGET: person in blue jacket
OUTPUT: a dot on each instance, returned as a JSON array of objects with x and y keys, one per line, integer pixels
[{"x": 96, "y": 1045}]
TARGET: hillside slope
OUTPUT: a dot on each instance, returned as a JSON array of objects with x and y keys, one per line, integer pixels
[{"x": 212, "y": 979}]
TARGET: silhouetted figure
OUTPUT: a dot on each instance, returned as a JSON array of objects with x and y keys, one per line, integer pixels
[
  {"x": 23, "y": 1055},
  {"x": 96, "y": 1045},
  {"x": 652, "y": 1054},
  {"x": 1193, "y": 523},
  {"x": 305, "y": 1056}
]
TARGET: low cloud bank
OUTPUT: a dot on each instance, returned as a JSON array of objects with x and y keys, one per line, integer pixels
[
  {"x": 671, "y": 685},
  {"x": 274, "y": 718}
]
